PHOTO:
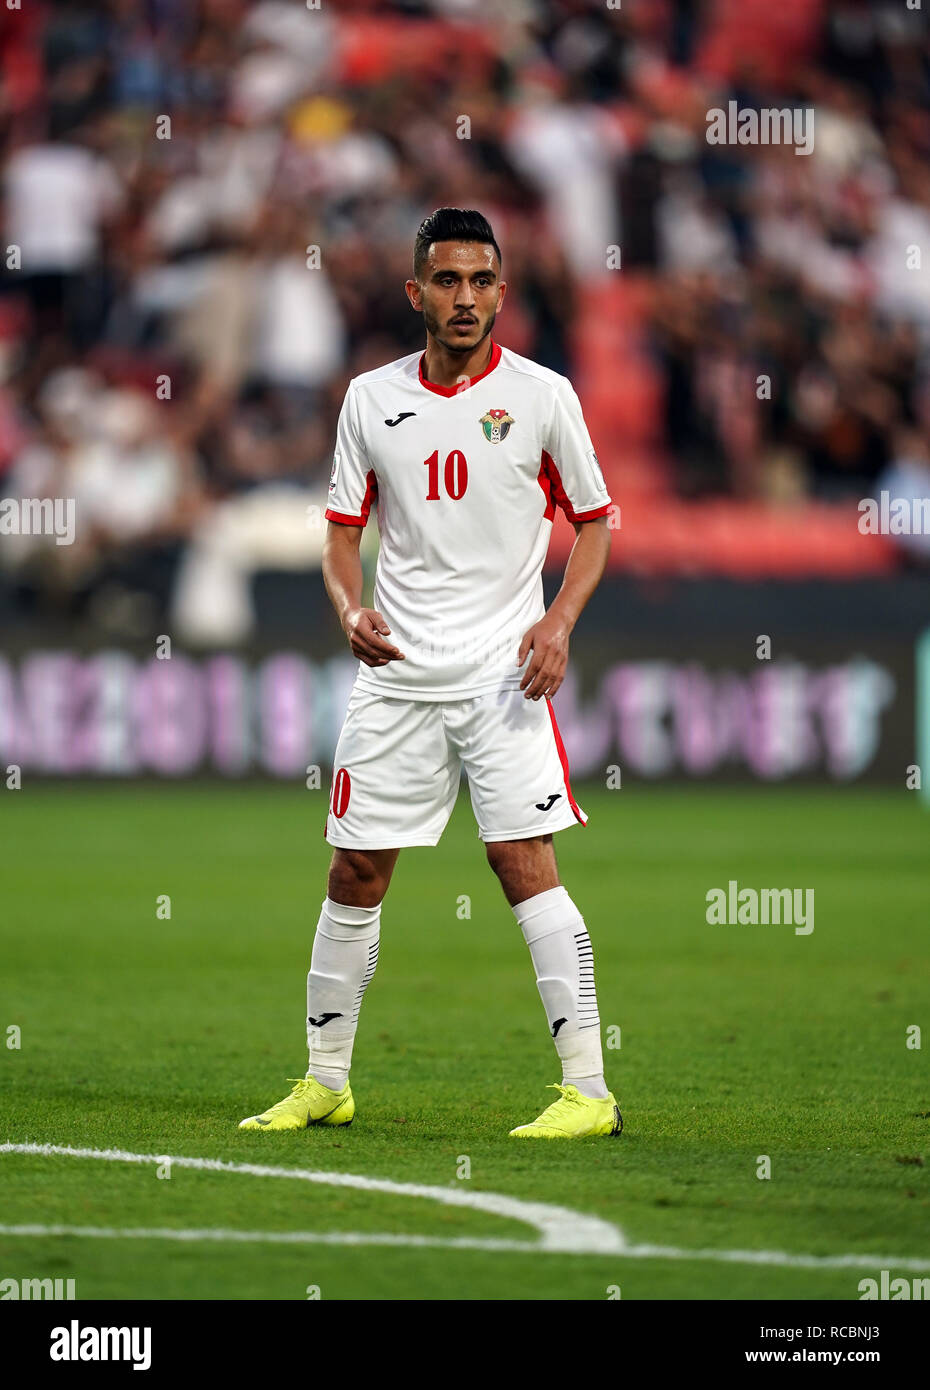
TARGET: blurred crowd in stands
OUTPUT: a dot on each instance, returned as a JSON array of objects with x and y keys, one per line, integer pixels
[{"x": 171, "y": 359}]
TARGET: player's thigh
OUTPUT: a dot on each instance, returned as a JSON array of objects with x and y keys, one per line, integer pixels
[
  {"x": 518, "y": 774},
  {"x": 395, "y": 778}
]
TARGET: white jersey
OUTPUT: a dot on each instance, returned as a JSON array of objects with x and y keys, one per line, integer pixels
[{"x": 466, "y": 481}]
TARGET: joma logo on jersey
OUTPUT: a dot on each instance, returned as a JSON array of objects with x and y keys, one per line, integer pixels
[{"x": 496, "y": 425}]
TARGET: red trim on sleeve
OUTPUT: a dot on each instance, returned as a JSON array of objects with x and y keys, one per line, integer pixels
[
  {"x": 455, "y": 390},
  {"x": 593, "y": 514},
  {"x": 563, "y": 759},
  {"x": 371, "y": 492},
  {"x": 550, "y": 481}
]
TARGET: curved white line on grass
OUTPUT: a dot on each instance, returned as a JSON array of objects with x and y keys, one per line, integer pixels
[
  {"x": 526, "y": 1247},
  {"x": 569, "y": 1232},
  {"x": 559, "y": 1229}
]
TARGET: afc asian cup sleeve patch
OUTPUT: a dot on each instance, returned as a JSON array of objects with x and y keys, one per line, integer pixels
[{"x": 595, "y": 467}]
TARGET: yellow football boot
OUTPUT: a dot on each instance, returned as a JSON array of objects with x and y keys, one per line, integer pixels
[
  {"x": 573, "y": 1116},
  {"x": 310, "y": 1103}
]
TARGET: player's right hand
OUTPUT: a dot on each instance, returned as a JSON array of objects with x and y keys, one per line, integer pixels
[{"x": 366, "y": 631}]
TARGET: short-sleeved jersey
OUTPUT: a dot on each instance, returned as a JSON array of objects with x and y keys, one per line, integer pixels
[{"x": 466, "y": 481}]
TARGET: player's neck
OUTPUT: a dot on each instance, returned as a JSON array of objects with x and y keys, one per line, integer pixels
[{"x": 445, "y": 368}]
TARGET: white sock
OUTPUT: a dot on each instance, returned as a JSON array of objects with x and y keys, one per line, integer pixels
[
  {"x": 593, "y": 1086},
  {"x": 563, "y": 959},
  {"x": 343, "y": 961}
]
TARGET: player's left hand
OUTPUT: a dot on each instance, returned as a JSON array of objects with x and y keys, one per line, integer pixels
[{"x": 548, "y": 640}]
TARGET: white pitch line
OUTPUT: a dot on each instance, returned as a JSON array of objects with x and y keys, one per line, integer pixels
[
  {"x": 778, "y": 1257},
  {"x": 526, "y": 1247},
  {"x": 559, "y": 1229}
]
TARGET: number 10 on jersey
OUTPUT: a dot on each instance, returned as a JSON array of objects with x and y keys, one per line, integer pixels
[{"x": 455, "y": 475}]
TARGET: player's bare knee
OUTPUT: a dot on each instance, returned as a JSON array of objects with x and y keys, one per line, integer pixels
[
  {"x": 357, "y": 878},
  {"x": 524, "y": 867}
]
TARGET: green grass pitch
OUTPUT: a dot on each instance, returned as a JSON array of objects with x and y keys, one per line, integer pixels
[{"x": 156, "y": 1036}]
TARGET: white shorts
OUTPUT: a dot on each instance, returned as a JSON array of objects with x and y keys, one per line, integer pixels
[{"x": 397, "y": 769}]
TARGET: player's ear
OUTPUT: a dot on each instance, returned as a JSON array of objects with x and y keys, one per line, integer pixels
[
  {"x": 413, "y": 294},
  {"x": 501, "y": 291}
]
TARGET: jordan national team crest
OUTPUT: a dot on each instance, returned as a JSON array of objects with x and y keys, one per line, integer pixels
[{"x": 496, "y": 424}]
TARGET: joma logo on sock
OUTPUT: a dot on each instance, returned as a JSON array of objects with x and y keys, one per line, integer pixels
[
  {"x": 734, "y": 906},
  {"x": 37, "y": 1289},
  {"x": 76, "y": 1343}
]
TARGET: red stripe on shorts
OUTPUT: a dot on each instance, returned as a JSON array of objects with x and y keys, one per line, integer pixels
[{"x": 579, "y": 815}]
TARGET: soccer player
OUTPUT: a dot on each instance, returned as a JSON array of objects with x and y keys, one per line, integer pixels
[{"x": 466, "y": 449}]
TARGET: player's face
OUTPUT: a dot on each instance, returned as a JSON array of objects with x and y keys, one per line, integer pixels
[{"x": 460, "y": 293}]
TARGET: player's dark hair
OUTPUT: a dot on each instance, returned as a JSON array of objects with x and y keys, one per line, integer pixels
[{"x": 451, "y": 224}]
